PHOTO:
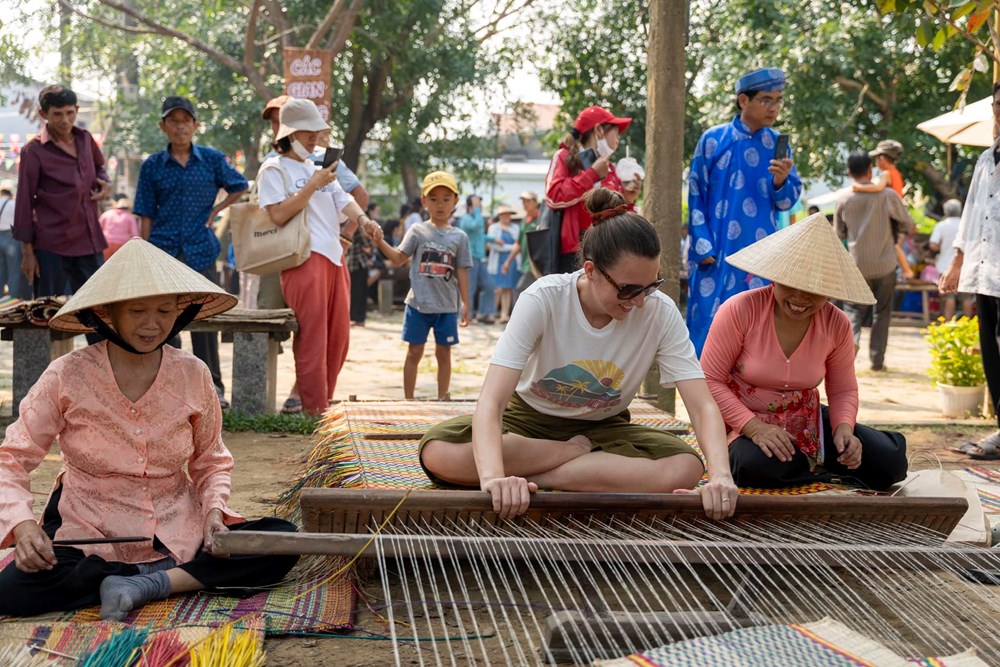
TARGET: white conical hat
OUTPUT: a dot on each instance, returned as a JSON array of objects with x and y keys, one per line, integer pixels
[
  {"x": 139, "y": 270},
  {"x": 807, "y": 256}
]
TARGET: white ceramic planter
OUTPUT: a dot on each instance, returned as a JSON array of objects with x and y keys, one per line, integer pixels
[{"x": 961, "y": 402}]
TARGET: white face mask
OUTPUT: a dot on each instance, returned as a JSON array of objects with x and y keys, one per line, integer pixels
[
  {"x": 603, "y": 148},
  {"x": 300, "y": 150}
]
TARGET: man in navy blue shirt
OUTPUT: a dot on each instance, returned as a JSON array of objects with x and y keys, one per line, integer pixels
[{"x": 176, "y": 204}]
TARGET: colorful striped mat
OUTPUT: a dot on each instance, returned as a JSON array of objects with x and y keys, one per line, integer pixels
[
  {"x": 984, "y": 473},
  {"x": 826, "y": 642},
  {"x": 989, "y": 500}
]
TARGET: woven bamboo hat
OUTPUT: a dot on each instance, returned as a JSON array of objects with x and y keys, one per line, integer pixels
[
  {"x": 806, "y": 256},
  {"x": 139, "y": 270}
]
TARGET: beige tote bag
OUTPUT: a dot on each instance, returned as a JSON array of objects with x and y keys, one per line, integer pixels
[{"x": 262, "y": 247}]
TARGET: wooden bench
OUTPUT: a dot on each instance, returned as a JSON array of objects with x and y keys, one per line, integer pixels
[
  {"x": 255, "y": 335},
  {"x": 925, "y": 288}
]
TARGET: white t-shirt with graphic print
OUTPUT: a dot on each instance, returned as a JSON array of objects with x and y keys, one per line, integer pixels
[
  {"x": 571, "y": 369},
  {"x": 323, "y": 210}
]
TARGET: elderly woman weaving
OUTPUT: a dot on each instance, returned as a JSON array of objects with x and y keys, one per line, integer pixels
[
  {"x": 139, "y": 429},
  {"x": 769, "y": 349}
]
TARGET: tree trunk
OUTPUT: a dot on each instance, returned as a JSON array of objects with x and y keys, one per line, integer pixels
[
  {"x": 411, "y": 181},
  {"x": 942, "y": 186},
  {"x": 65, "y": 45},
  {"x": 665, "y": 147}
]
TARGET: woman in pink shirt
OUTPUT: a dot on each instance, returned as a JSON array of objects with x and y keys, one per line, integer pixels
[
  {"x": 118, "y": 225},
  {"x": 139, "y": 428},
  {"x": 769, "y": 349}
]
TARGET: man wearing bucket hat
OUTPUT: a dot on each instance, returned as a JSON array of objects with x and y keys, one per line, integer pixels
[
  {"x": 769, "y": 348},
  {"x": 736, "y": 186},
  {"x": 146, "y": 477},
  {"x": 175, "y": 200}
]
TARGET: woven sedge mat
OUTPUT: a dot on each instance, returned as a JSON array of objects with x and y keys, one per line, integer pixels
[
  {"x": 826, "y": 642},
  {"x": 374, "y": 445},
  {"x": 324, "y": 608},
  {"x": 77, "y": 639}
]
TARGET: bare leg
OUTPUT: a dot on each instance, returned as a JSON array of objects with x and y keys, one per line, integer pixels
[
  {"x": 182, "y": 582},
  {"x": 521, "y": 456},
  {"x": 949, "y": 307},
  {"x": 968, "y": 307},
  {"x": 414, "y": 354},
  {"x": 604, "y": 472},
  {"x": 443, "y": 355},
  {"x": 505, "y": 299}
]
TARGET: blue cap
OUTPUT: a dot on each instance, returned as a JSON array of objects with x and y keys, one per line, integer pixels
[{"x": 765, "y": 80}]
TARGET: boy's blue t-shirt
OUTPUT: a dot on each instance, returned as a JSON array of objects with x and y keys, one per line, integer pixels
[{"x": 437, "y": 255}]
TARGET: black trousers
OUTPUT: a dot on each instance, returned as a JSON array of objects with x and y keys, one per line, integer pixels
[
  {"x": 883, "y": 461},
  {"x": 65, "y": 275},
  {"x": 359, "y": 295},
  {"x": 569, "y": 262},
  {"x": 75, "y": 581},
  {"x": 988, "y": 308}
]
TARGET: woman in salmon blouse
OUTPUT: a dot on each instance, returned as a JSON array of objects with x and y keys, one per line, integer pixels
[
  {"x": 140, "y": 433},
  {"x": 769, "y": 349}
]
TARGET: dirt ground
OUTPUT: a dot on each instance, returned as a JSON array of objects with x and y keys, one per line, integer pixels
[{"x": 265, "y": 463}]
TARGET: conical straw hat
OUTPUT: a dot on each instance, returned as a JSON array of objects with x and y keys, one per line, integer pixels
[
  {"x": 806, "y": 256},
  {"x": 140, "y": 270}
]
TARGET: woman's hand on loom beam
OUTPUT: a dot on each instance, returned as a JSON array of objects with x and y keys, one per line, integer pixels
[
  {"x": 773, "y": 440},
  {"x": 214, "y": 523},
  {"x": 33, "y": 551},
  {"x": 718, "y": 497},
  {"x": 511, "y": 495},
  {"x": 848, "y": 446}
]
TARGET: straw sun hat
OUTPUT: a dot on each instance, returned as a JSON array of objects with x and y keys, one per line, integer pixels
[
  {"x": 806, "y": 256},
  {"x": 139, "y": 270}
]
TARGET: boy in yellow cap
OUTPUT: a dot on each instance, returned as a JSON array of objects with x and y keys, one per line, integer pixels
[{"x": 439, "y": 282}]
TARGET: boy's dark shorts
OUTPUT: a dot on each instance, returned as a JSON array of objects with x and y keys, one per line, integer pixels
[
  {"x": 417, "y": 325},
  {"x": 615, "y": 434}
]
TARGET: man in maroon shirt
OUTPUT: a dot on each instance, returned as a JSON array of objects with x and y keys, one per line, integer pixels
[{"x": 60, "y": 181}]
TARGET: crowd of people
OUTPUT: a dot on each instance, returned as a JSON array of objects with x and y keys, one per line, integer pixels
[{"x": 764, "y": 329}]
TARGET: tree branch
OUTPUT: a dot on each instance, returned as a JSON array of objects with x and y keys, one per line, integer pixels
[
  {"x": 325, "y": 24},
  {"x": 256, "y": 80},
  {"x": 339, "y": 39},
  {"x": 881, "y": 102},
  {"x": 249, "y": 43},
  {"x": 108, "y": 24},
  {"x": 491, "y": 29}
]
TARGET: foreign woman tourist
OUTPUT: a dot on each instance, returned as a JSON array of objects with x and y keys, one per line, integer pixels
[{"x": 553, "y": 409}]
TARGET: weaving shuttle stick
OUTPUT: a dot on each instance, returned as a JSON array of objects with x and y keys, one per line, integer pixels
[
  {"x": 355, "y": 509},
  {"x": 99, "y": 540}
]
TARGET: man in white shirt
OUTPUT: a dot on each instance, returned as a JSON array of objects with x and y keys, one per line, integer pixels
[
  {"x": 975, "y": 270},
  {"x": 942, "y": 242},
  {"x": 10, "y": 251}
]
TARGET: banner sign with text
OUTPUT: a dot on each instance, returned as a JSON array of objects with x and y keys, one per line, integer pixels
[{"x": 307, "y": 75}]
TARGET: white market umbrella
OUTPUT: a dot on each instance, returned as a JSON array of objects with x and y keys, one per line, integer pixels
[{"x": 972, "y": 126}]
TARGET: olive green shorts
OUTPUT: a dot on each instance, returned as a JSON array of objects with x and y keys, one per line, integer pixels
[{"x": 614, "y": 435}]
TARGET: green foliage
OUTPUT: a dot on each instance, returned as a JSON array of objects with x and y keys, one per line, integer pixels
[
  {"x": 301, "y": 424},
  {"x": 954, "y": 359},
  {"x": 855, "y": 76},
  {"x": 925, "y": 223}
]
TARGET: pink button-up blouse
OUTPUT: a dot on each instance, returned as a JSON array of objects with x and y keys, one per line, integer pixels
[
  {"x": 153, "y": 467},
  {"x": 744, "y": 363}
]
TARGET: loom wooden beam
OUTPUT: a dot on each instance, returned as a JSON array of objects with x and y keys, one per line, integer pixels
[
  {"x": 245, "y": 542},
  {"x": 354, "y": 510}
]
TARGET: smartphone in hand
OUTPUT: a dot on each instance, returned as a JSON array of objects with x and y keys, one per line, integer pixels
[
  {"x": 781, "y": 147},
  {"x": 331, "y": 156},
  {"x": 588, "y": 157}
]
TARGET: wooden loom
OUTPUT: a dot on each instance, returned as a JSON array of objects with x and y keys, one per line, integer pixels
[{"x": 587, "y": 576}]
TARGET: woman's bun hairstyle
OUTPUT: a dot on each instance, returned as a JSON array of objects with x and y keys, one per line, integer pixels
[{"x": 615, "y": 230}]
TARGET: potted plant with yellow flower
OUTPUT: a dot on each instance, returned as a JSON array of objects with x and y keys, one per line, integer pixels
[{"x": 957, "y": 365}]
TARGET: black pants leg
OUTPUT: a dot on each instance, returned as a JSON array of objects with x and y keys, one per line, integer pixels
[
  {"x": 359, "y": 295},
  {"x": 988, "y": 308},
  {"x": 78, "y": 271},
  {"x": 883, "y": 461},
  {"x": 244, "y": 573}
]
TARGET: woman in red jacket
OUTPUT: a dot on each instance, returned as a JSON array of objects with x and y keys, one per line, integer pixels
[{"x": 570, "y": 178}]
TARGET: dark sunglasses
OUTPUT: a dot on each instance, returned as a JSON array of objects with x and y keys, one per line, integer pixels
[{"x": 626, "y": 292}]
